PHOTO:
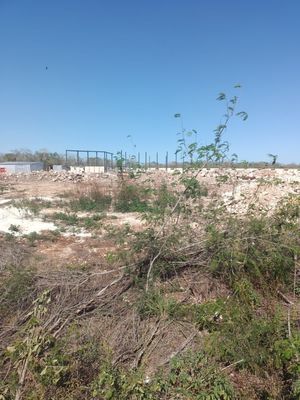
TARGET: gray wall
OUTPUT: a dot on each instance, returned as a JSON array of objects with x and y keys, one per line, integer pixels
[{"x": 22, "y": 168}]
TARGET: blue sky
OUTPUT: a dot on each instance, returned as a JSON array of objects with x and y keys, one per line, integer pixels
[{"x": 119, "y": 68}]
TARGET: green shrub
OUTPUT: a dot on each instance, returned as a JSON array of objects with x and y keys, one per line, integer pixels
[
  {"x": 194, "y": 376},
  {"x": 98, "y": 203},
  {"x": 287, "y": 356},
  {"x": 164, "y": 200},
  {"x": 155, "y": 304},
  {"x": 132, "y": 198},
  {"x": 245, "y": 337},
  {"x": 193, "y": 188},
  {"x": 208, "y": 315},
  {"x": 254, "y": 249},
  {"x": 191, "y": 377},
  {"x": 69, "y": 219},
  {"x": 15, "y": 288},
  {"x": 90, "y": 197},
  {"x": 115, "y": 384},
  {"x": 33, "y": 237},
  {"x": 14, "y": 229},
  {"x": 91, "y": 222},
  {"x": 33, "y": 206}
]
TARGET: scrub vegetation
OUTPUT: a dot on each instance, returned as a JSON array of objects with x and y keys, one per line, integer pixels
[{"x": 195, "y": 303}]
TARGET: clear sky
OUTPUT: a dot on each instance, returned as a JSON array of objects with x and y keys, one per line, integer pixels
[{"x": 88, "y": 73}]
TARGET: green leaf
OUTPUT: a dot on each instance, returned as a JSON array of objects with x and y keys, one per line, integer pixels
[
  {"x": 222, "y": 96},
  {"x": 233, "y": 100},
  {"x": 243, "y": 115}
]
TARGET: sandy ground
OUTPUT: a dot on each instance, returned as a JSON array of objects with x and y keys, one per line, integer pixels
[{"x": 11, "y": 217}]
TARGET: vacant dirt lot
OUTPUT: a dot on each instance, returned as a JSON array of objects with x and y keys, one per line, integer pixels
[
  {"x": 103, "y": 285},
  {"x": 29, "y": 203}
]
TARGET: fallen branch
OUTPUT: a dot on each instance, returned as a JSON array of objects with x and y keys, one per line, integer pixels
[
  {"x": 149, "y": 341},
  {"x": 181, "y": 348},
  {"x": 233, "y": 364},
  {"x": 285, "y": 298}
]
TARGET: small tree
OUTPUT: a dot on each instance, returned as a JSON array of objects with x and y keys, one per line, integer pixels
[
  {"x": 273, "y": 158},
  {"x": 200, "y": 157}
]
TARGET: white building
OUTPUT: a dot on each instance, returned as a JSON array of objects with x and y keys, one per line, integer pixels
[{"x": 16, "y": 167}]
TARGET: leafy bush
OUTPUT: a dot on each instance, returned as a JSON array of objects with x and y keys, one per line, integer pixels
[
  {"x": 164, "y": 199},
  {"x": 15, "y": 288},
  {"x": 69, "y": 219},
  {"x": 255, "y": 249},
  {"x": 33, "y": 237},
  {"x": 33, "y": 206},
  {"x": 14, "y": 229},
  {"x": 93, "y": 197},
  {"x": 84, "y": 203},
  {"x": 208, "y": 315},
  {"x": 287, "y": 355},
  {"x": 193, "y": 188},
  {"x": 91, "y": 222},
  {"x": 115, "y": 384},
  {"x": 191, "y": 377},
  {"x": 247, "y": 338},
  {"x": 155, "y": 304},
  {"x": 131, "y": 198},
  {"x": 194, "y": 376}
]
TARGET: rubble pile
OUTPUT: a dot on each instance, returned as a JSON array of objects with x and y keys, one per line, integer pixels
[
  {"x": 256, "y": 190},
  {"x": 57, "y": 176},
  {"x": 240, "y": 189},
  {"x": 243, "y": 189}
]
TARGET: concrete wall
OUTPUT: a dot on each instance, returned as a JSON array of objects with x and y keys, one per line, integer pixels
[
  {"x": 79, "y": 170},
  {"x": 87, "y": 170},
  {"x": 37, "y": 166},
  {"x": 94, "y": 170},
  {"x": 57, "y": 168},
  {"x": 8, "y": 168}
]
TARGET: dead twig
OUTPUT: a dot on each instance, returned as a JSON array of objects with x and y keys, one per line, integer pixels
[
  {"x": 285, "y": 298},
  {"x": 141, "y": 353},
  {"x": 233, "y": 364},
  {"x": 181, "y": 348}
]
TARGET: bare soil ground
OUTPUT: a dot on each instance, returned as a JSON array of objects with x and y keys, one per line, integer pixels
[{"x": 240, "y": 189}]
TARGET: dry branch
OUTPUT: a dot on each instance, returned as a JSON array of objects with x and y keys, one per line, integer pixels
[{"x": 180, "y": 349}]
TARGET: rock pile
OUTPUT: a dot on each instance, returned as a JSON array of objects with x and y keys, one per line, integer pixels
[{"x": 57, "y": 176}]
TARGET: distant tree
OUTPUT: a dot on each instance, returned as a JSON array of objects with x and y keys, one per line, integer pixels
[
  {"x": 8, "y": 157},
  {"x": 27, "y": 155},
  {"x": 273, "y": 158}
]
